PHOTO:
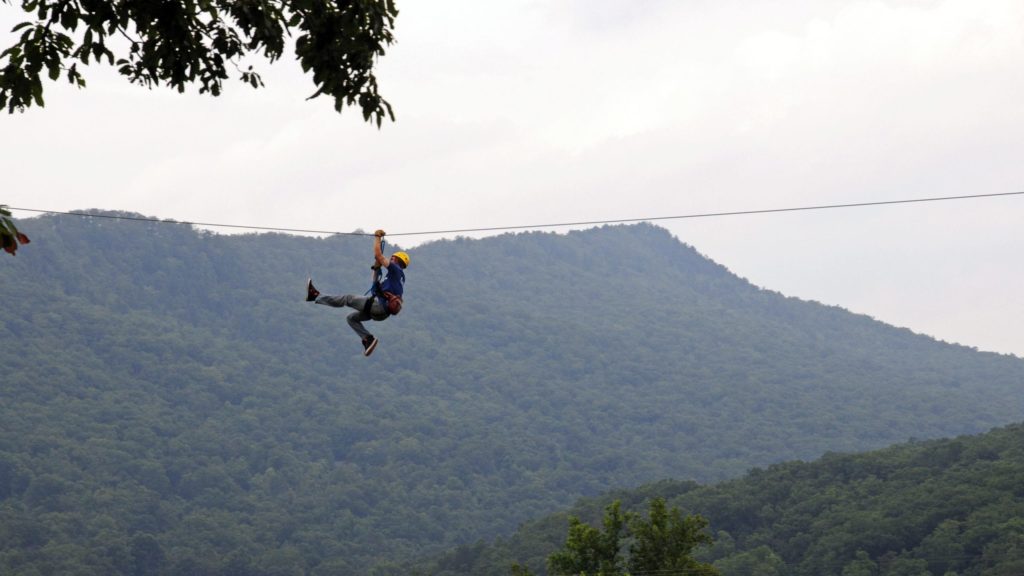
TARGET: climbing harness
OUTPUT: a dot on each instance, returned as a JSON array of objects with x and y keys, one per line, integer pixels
[{"x": 392, "y": 302}]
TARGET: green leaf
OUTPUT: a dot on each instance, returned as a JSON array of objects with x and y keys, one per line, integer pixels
[
  {"x": 69, "y": 19},
  {"x": 37, "y": 92}
]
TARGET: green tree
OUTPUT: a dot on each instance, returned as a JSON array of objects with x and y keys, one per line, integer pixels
[
  {"x": 520, "y": 570},
  {"x": 1005, "y": 556},
  {"x": 589, "y": 551},
  {"x": 944, "y": 547},
  {"x": 760, "y": 561},
  {"x": 906, "y": 567},
  {"x": 861, "y": 565},
  {"x": 147, "y": 555},
  {"x": 665, "y": 541},
  {"x": 181, "y": 42},
  {"x": 10, "y": 237}
]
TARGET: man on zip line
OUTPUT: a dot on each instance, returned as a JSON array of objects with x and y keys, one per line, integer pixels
[{"x": 382, "y": 300}]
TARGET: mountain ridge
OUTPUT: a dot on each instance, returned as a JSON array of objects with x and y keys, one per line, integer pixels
[{"x": 182, "y": 369}]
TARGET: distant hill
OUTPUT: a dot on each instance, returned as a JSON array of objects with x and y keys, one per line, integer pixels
[
  {"x": 169, "y": 402},
  {"x": 935, "y": 508}
]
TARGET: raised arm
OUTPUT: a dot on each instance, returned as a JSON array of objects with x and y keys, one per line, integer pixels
[{"x": 378, "y": 254}]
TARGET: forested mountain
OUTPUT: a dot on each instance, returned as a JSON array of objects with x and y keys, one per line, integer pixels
[
  {"x": 171, "y": 405},
  {"x": 952, "y": 507}
]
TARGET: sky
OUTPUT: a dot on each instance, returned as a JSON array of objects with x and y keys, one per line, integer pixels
[{"x": 519, "y": 112}]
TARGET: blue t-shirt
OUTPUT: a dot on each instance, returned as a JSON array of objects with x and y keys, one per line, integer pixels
[{"x": 394, "y": 282}]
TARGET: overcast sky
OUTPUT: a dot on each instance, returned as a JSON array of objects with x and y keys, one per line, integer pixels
[{"x": 521, "y": 112}]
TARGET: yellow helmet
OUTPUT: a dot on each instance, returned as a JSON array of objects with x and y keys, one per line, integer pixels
[{"x": 403, "y": 257}]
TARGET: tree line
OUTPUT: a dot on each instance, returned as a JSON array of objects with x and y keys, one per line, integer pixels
[
  {"x": 168, "y": 391},
  {"x": 950, "y": 507}
]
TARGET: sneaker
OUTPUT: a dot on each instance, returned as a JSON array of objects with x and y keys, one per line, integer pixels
[
  {"x": 369, "y": 344},
  {"x": 311, "y": 292}
]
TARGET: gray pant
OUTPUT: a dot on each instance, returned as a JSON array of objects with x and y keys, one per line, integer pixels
[{"x": 356, "y": 319}]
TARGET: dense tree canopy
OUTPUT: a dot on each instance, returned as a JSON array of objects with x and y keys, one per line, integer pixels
[
  {"x": 180, "y": 42},
  {"x": 175, "y": 385},
  {"x": 939, "y": 508}
]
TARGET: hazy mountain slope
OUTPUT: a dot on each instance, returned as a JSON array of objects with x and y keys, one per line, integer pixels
[
  {"x": 176, "y": 381},
  {"x": 940, "y": 507}
]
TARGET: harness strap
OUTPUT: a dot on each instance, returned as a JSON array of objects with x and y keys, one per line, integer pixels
[
  {"x": 375, "y": 293},
  {"x": 375, "y": 287}
]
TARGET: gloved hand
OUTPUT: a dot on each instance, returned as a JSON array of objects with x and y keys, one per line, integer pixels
[{"x": 379, "y": 233}]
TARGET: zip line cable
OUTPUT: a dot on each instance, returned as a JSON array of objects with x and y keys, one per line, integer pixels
[
  {"x": 537, "y": 226},
  {"x": 714, "y": 214},
  {"x": 160, "y": 221}
]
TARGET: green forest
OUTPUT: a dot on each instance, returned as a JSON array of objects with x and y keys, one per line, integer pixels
[
  {"x": 952, "y": 507},
  {"x": 170, "y": 404}
]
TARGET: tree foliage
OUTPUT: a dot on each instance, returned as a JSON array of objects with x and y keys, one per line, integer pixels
[
  {"x": 589, "y": 551},
  {"x": 10, "y": 237},
  {"x": 174, "y": 384},
  {"x": 663, "y": 543},
  {"x": 940, "y": 508},
  {"x": 177, "y": 43}
]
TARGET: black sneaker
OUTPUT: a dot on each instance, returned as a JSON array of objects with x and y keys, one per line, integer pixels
[
  {"x": 311, "y": 292},
  {"x": 369, "y": 344}
]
